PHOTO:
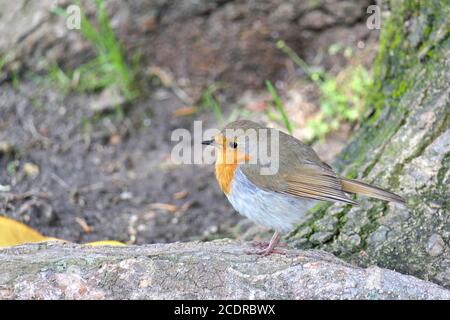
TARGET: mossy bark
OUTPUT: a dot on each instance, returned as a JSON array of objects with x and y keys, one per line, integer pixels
[{"x": 404, "y": 146}]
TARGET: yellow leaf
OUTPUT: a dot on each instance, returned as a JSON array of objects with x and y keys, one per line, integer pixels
[
  {"x": 14, "y": 233},
  {"x": 105, "y": 243}
]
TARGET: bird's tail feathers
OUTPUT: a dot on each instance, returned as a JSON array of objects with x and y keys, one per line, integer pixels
[{"x": 358, "y": 187}]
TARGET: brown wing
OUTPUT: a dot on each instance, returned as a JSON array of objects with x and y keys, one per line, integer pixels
[
  {"x": 307, "y": 180},
  {"x": 301, "y": 173},
  {"x": 314, "y": 182}
]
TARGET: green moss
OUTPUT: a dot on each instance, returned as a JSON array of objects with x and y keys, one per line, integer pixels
[
  {"x": 375, "y": 212},
  {"x": 396, "y": 55},
  {"x": 318, "y": 212},
  {"x": 443, "y": 171},
  {"x": 394, "y": 180},
  {"x": 401, "y": 89},
  {"x": 441, "y": 193},
  {"x": 360, "y": 151},
  {"x": 395, "y": 69},
  {"x": 342, "y": 218},
  {"x": 385, "y": 70}
]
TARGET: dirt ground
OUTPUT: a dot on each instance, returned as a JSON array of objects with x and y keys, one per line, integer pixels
[{"x": 114, "y": 175}]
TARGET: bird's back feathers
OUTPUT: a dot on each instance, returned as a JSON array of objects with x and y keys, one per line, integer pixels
[{"x": 302, "y": 174}]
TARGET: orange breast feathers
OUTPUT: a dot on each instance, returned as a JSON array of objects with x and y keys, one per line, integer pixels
[
  {"x": 227, "y": 161},
  {"x": 224, "y": 175}
]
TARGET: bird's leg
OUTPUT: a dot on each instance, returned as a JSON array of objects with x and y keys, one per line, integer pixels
[
  {"x": 271, "y": 247},
  {"x": 272, "y": 244}
]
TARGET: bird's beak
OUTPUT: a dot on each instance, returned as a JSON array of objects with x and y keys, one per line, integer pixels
[{"x": 208, "y": 142}]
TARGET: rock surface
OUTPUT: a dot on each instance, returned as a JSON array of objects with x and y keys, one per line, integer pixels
[{"x": 219, "y": 269}]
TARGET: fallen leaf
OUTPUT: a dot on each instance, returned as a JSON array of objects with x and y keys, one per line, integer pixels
[
  {"x": 180, "y": 195},
  {"x": 14, "y": 233},
  {"x": 165, "y": 77},
  {"x": 105, "y": 243},
  {"x": 185, "y": 111},
  {"x": 164, "y": 206}
]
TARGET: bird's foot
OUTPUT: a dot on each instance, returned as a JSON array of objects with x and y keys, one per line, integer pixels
[
  {"x": 267, "y": 251},
  {"x": 271, "y": 247},
  {"x": 264, "y": 244}
]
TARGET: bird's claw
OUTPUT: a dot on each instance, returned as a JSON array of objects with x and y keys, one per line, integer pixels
[
  {"x": 266, "y": 252},
  {"x": 263, "y": 244}
]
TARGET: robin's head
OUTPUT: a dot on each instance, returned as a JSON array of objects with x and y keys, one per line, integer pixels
[{"x": 235, "y": 142}]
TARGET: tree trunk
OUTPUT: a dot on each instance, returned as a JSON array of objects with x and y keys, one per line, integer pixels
[{"x": 403, "y": 147}]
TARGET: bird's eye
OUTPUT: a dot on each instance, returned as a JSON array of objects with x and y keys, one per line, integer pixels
[{"x": 233, "y": 145}]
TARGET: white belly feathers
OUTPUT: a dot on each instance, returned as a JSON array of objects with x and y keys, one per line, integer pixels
[{"x": 270, "y": 209}]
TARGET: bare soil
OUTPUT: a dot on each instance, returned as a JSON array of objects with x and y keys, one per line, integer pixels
[{"x": 113, "y": 174}]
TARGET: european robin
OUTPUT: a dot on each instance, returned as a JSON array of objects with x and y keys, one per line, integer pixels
[{"x": 281, "y": 199}]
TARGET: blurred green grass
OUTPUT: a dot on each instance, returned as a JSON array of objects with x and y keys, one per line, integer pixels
[
  {"x": 341, "y": 99},
  {"x": 279, "y": 106},
  {"x": 108, "y": 68}
]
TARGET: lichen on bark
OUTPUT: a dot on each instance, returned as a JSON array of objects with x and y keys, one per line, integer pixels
[{"x": 403, "y": 146}]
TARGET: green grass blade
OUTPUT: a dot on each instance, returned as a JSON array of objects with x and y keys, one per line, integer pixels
[{"x": 279, "y": 105}]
